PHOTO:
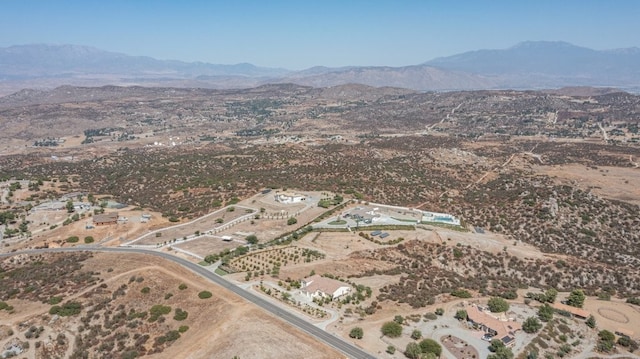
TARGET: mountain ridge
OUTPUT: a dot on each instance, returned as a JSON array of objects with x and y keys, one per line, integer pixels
[{"x": 526, "y": 65}]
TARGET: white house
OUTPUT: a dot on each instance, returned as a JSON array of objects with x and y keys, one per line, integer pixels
[
  {"x": 317, "y": 286},
  {"x": 439, "y": 217},
  {"x": 288, "y": 198}
]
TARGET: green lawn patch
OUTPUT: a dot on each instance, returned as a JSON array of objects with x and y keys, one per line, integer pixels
[
  {"x": 219, "y": 271},
  {"x": 338, "y": 223}
]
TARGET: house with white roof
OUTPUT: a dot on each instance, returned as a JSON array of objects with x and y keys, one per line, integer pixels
[{"x": 322, "y": 287}]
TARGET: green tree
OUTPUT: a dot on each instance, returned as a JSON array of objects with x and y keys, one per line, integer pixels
[
  {"x": 356, "y": 333},
  {"x": 500, "y": 351},
  {"x": 72, "y": 239},
  {"x": 591, "y": 322},
  {"x": 391, "y": 349},
  {"x": 498, "y": 305},
  {"x": 398, "y": 319},
  {"x": 431, "y": 346},
  {"x": 461, "y": 293},
  {"x": 391, "y": 329},
  {"x": 545, "y": 312},
  {"x": 606, "y": 341},
  {"x": 252, "y": 239},
  {"x": 413, "y": 351},
  {"x": 416, "y": 334},
  {"x": 495, "y": 344},
  {"x": 205, "y": 294},
  {"x": 69, "y": 206},
  {"x": 88, "y": 239},
  {"x": 439, "y": 311},
  {"x": 461, "y": 314},
  {"x": 291, "y": 221},
  {"x": 576, "y": 298},
  {"x": 531, "y": 325},
  {"x": 550, "y": 295}
]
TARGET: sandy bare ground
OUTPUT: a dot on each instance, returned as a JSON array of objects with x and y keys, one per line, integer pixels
[
  {"x": 220, "y": 327},
  {"x": 611, "y": 182},
  {"x": 613, "y": 315}
]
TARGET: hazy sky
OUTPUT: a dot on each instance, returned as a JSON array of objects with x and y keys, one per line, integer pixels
[{"x": 304, "y": 33}]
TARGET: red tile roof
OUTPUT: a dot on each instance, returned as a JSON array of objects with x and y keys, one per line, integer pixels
[
  {"x": 573, "y": 310},
  {"x": 501, "y": 327}
]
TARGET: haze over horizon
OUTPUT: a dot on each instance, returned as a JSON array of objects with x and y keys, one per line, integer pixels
[{"x": 299, "y": 35}]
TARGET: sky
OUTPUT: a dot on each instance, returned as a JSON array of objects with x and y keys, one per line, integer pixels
[{"x": 305, "y": 33}]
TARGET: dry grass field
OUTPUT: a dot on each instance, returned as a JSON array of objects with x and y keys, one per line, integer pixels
[{"x": 220, "y": 326}]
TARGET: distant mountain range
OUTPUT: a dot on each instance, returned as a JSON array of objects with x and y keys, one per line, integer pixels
[{"x": 528, "y": 65}]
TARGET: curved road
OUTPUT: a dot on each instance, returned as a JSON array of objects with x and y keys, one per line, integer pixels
[{"x": 333, "y": 341}]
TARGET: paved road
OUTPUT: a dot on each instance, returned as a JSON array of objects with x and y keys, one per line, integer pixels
[{"x": 335, "y": 342}]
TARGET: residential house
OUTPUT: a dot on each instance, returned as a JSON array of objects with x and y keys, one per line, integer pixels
[
  {"x": 500, "y": 329},
  {"x": 322, "y": 287}
]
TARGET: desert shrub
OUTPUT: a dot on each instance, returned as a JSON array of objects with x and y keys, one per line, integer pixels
[
  {"x": 204, "y": 294},
  {"x": 498, "y": 305},
  {"x": 413, "y": 351},
  {"x": 461, "y": 293},
  {"x": 55, "y": 300},
  {"x": 430, "y": 316},
  {"x": 356, "y": 333},
  {"x": 72, "y": 239},
  {"x": 531, "y": 325},
  {"x": 430, "y": 346},
  {"x": 180, "y": 314},
  {"x": 182, "y": 286},
  {"x": 88, "y": 239},
  {"x": 67, "y": 309},
  {"x": 633, "y": 300},
  {"x": 391, "y": 329},
  {"x": 157, "y": 311},
  {"x": 545, "y": 312},
  {"x": 461, "y": 314}
]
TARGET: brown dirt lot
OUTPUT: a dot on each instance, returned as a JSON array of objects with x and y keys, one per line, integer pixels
[
  {"x": 613, "y": 315},
  {"x": 611, "y": 182}
]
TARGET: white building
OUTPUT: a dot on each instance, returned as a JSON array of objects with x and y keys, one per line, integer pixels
[
  {"x": 317, "y": 286},
  {"x": 440, "y": 218},
  {"x": 287, "y": 198}
]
